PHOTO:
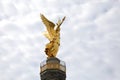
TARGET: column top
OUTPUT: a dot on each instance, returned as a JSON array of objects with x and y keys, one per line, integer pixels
[{"x": 53, "y": 63}]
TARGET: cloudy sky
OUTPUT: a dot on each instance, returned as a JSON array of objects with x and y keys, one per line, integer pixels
[{"x": 90, "y": 38}]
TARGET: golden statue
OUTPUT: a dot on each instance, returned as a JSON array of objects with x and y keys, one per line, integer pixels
[{"x": 53, "y": 35}]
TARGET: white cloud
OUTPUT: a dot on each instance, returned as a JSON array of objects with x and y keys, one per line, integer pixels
[{"x": 89, "y": 38}]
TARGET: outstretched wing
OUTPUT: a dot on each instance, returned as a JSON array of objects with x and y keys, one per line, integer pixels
[
  {"x": 46, "y": 21},
  {"x": 59, "y": 24},
  {"x": 49, "y": 25}
]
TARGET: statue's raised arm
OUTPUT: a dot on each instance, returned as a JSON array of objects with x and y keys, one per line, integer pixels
[{"x": 53, "y": 35}]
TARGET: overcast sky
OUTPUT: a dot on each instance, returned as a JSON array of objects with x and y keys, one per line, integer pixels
[{"x": 90, "y": 38}]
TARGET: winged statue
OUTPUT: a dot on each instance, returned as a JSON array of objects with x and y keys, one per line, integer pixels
[{"x": 53, "y": 35}]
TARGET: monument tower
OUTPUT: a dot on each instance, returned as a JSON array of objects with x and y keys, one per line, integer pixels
[{"x": 52, "y": 68}]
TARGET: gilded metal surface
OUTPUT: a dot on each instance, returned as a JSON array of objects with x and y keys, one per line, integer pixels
[{"x": 53, "y": 35}]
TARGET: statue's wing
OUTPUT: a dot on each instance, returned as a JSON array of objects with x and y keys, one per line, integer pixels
[
  {"x": 49, "y": 25},
  {"x": 59, "y": 24},
  {"x": 47, "y": 35},
  {"x": 47, "y": 22}
]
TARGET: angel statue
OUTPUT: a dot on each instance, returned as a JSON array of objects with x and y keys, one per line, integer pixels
[{"x": 53, "y": 35}]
